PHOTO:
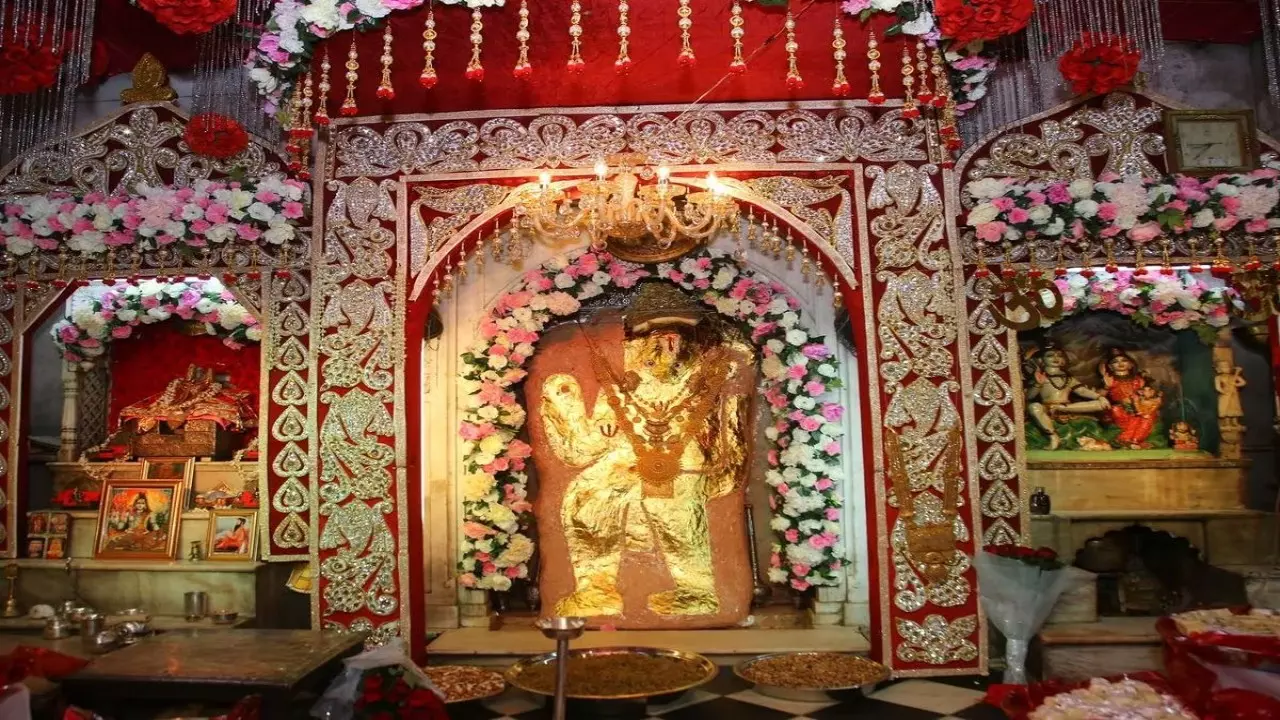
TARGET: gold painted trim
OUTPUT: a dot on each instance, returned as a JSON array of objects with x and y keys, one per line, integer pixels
[
  {"x": 319, "y": 287},
  {"x": 402, "y": 436}
]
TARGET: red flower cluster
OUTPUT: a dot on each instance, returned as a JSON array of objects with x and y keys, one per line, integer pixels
[
  {"x": 385, "y": 694},
  {"x": 1044, "y": 558},
  {"x": 215, "y": 136},
  {"x": 30, "y": 61},
  {"x": 1099, "y": 63},
  {"x": 189, "y": 17},
  {"x": 964, "y": 21}
]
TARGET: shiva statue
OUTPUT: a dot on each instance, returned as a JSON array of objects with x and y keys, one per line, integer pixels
[
  {"x": 1054, "y": 391},
  {"x": 668, "y": 432}
]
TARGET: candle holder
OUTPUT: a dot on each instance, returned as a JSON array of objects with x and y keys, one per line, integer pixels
[{"x": 11, "y": 608}]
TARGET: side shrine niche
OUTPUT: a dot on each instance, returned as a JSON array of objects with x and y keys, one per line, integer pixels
[{"x": 1115, "y": 380}]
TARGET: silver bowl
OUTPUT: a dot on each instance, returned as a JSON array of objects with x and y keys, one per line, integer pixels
[
  {"x": 223, "y": 617},
  {"x": 102, "y": 642},
  {"x": 797, "y": 694},
  {"x": 709, "y": 670}
]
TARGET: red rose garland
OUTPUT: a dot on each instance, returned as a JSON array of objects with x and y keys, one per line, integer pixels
[
  {"x": 966, "y": 21},
  {"x": 30, "y": 61},
  {"x": 189, "y": 17},
  {"x": 1099, "y": 63},
  {"x": 215, "y": 136}
]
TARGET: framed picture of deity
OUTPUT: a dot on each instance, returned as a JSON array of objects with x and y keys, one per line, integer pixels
[
  {"x": 139, "y": 520},
  {"x": 174, "y": 468},
  {"x": 232, "y": 535}
]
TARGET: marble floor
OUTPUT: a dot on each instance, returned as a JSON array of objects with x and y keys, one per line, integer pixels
[{"x": 730, "y": 698}]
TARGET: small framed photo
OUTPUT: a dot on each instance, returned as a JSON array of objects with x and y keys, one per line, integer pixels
[
  {"x": 138, "y": 519},
  {"x": 232, "y": 535},
  {"x": 168, "y": 469},
  {"x": 55, "y": 548},
  {"x": 35, "y": 547},
  {"x": 59, "y": 524},
  {"x": 38, "y": 522}
]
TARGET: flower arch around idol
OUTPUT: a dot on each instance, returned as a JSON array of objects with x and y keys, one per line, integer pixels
[
  {"x": 797, "y": 369},
  {"x": 109, "y": 313},
  {"x": 1150, "y": 297}
]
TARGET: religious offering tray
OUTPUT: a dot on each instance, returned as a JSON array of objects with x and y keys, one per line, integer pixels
[
  {"x": 1265, "y": 623},
  {"x": 1125, "y": 699},
  {"x": 617, "y": 673},
  {"x": 464, "y": 683},
  {"x": 810, "y": 676}
]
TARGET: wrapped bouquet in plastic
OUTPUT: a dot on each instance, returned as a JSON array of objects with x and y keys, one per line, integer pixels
[
  {"x": 381, "y": 683},
  {"x": 1018, "y": 587}
]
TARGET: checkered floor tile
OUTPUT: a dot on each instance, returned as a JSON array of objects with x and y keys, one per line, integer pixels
[{"x": 729, "y": 698}]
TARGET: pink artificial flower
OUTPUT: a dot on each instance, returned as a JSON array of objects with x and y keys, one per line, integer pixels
[
  {"x": 832, "y": 514},
  {"x": 473, "y": 432},
  {"x": 800, "y": 569},
  {"x": 990, "y": 232},
  {"x": 497, "y": 466},
  {"x": 792, "y": 535},
  {"x": 1058, "y": 194},
  {"x": 513, "y": 572},
  {"x": 1017, "y": 216},
  {"x": 814, "y": 388},
  {"x": 68, "y": 334},
  {"x": 772, "y": 457},
  {"x": 797, "y": 372},
  {"x": 775, "y": 560},
  {"x": 1108, "y": 211},
  {"x": 783, "y": 488},
  {"x": 1145, "y": 232},
  {"x": 799, "y": 585},
  {"x": 518, "y": 449},
  {"x": 810, "y": 424},
  {"x": 833, "y": 412},
  {"x": 815, "y": 351},
  {"x": 832, "y": 448},
  {"x": 1003, "y": 204},
  {"x": 701, "y": 284},
  {"x": 763, "y": 329},
  {"x": 476, "y": 531},
  {"x": 824, "y": 484},
  {"x": 488, "y": 568},
  {"x": 1036, "y": 198},
  {"x": 467, "y": 580},
  {"x": 293, "y": 210}
]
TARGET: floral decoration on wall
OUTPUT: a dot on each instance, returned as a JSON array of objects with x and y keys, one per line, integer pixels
[
  {"x": 31, "y": 57},
  {"x": 1099, "y": 63},
  {"x": 296, "y": 26},
  {"x": 965, "y": 29},
  {"x": 798, "y": 370},
  {"x": 215, "y": 136},
  {"x": 189, "y": 17},
  {"x": 99, "y": 318},
  {"x": 1151, "y": 297},
  {"x": 210, "y": 212},
  {"x": 1143, "y": 209}
]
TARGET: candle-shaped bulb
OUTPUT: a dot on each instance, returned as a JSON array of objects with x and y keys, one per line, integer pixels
[
  {"x": 602, "y": 170},
  {"x": 545, "y": 180},
  {"x": 713, "y": 183},
  {"x": 664, "y": 174}
]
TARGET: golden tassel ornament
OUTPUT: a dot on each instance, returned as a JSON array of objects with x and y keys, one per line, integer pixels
[
  {"x": 685, "y": 13},
  {"x": 475, "y": 71},
  {"x": 322, "y": 102},
  {"x": 299, "y": 133},
  {"x": 876, "y": 95},
  {"x": 575, "y": 64},
  {"x": 737, "y": 30},
  {"x": 794, "y": 81},
  {"x": 941, "y": 83},
  {"x": 840, "y": 87},
  {"x": 523, "y": 69},
  {"x": 909, "y": 109},
  {"x": 623, "y": 63},
  {"x": 923, "y": 97},
  {"x": 349, "y": 106},
  {"x": 428, "y": 78},
  {"x": 1193, "y": 251},
  {"x": 385, "y": 90}
]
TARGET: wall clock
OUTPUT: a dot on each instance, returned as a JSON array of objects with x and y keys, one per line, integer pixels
[{"x": 1207, "y": 142}]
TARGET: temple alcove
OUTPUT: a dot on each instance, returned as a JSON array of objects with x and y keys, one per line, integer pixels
[{"x": 461, "y": 314}]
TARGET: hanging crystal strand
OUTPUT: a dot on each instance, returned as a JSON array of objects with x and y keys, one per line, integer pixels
[
  {"x": 428, "y": 78},
  {"x": 909, "y": 109},
  {"x": 575, "y": 64},
  {"x": 523, "y": 69},
  {"x": 475, "y": 71},
  {"x": 322, "y": 101},
  {"x": 840, "y": 86},
  {"x": 876, "y": 95},
  {"x": 685, "y": 13},
  {"x": 924, "y": 98},
  {"x": 385, "y": 89},
  {"x": 349, "y": 106},
  {"x": 1270, "y": 10},
  {"x": 623, "y": 63},
  {"x": 794, "y": 81},
  {"x": 737, "y": 30}
]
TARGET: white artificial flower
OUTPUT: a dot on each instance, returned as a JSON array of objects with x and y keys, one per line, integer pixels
[
  {"x": 261, "y": 211},
  {"x": 804, "y": 402},
  {"x": 1204, "y": 218},
  {"x": 1040, "y": 214},
  {"x": 789, "y": 319},
  {"x": 983, "y": 213},
  {"x": 279, "y": 234},
  {"x": 564, "y": 281},
  {"x": 826, "y": 370},
  {"x": 1081, "y": 188},
  {"x": 253, "y": 332},
  {"x": 780, "y": 523},
  {"x": 372, "y": 8},
  {"x": 797, "y": 337},
  {"x": 1086, "y": 208},
  {"x": 777, "y": 575},
  {"x": 922, "y": 25},
  {"x": 775, "y": 345}
]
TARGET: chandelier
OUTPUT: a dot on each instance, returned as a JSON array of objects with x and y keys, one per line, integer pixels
[{"x": 648, "y": 222}]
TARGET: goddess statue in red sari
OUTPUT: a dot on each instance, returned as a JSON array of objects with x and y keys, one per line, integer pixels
[{"x": 1135, "y": 401}]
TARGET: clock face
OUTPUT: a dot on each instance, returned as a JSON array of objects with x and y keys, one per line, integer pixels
[{"x": 1209, "y": 143}]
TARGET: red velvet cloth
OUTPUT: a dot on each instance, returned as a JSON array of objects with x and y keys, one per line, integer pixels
[
  {"x": 142, "y": 365},
  {"x": 126, "y": 32},
  {"x": 25, "y": 662}
]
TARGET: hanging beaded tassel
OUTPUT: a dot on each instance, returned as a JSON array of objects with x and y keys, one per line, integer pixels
[
  {"x": 941, "y": 83},
  {"x": 923, "y": 97},
  {"x": 523, "y": 69},
  {"x": 575, "y": 64},
  {"x": 909, "y": 109},
  {"x": 623, "y": 63},
  {"x": 349, "y": 107},
  {"x": 876, "y": 95},
  {"x": 428, "y": 78},
  {"x": 840, "y": 87},
  {"x": 475, "y": 71},
  {"x": 794, "y": 81},
  {"x": 685, "y": 13},
  {"x": 299, "y": 143},
  {"x": 737, "y": 29},
  {"x": 385, "y": 89},
  {"x": 322, "y": 102}
]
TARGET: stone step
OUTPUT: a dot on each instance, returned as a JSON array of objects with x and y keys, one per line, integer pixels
[
  {"x": 1110, "y": 646},
  {"x": 480, "y": 646}
]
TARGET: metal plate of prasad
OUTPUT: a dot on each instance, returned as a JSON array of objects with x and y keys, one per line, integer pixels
[
  {"x": 796, "y": 675},
  {"x": 537, "y": 674},
  {"x": 465, "y": 683}
]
